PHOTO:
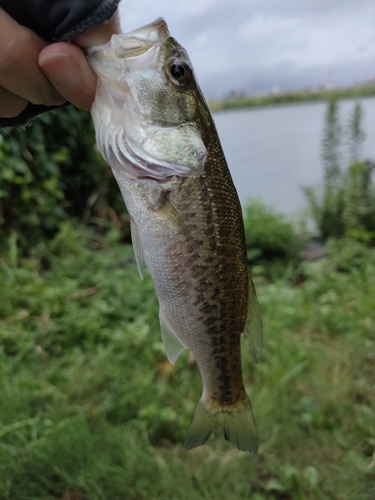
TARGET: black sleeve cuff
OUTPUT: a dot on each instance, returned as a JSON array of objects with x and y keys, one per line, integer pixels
[
  {"x": 30, "y": 112},
  {"x": 60, "y": 20}
]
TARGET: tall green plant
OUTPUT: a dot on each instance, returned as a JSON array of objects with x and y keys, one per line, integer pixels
[
  {"x": 327, "y": 204},
  {"x": 345, "y": 203},
  {"x": 359, "y": 189},
  {"x": 331, "y": 144},
  {"x": 355, "y": 132}
]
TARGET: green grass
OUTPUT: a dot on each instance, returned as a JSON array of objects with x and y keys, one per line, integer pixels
[{"x": 90, "y": 408}]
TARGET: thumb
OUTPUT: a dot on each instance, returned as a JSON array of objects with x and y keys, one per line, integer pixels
[{"x": 66, "y": 67}]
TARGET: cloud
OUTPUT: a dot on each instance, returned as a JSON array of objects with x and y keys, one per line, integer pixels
[
  {"x": 260, "y": 43},
  {"x": 261, "y": 27}
]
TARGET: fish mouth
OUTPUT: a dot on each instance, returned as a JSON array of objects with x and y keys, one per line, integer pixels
[
  {"x": 136, "y": 42},
  {"x": 155, "y": 32}
]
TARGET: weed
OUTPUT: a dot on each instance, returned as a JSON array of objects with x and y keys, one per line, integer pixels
[{"x": 91, "y": 408}]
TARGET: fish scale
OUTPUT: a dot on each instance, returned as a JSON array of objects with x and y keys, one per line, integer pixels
[{"x": 186, "y": 227}]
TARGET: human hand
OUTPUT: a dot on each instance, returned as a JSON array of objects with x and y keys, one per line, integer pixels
[
  {"x": 21, "y": 79},
  {"x": 32, "y": 71},
  {"x": 66, "y": 66}
]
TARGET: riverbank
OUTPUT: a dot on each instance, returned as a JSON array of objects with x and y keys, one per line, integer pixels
[
  {"x": 293, "y": 97},
  {"x": 91, "y": 408}
]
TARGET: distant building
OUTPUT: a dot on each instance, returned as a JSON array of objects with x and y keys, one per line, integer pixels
[
  {"x": 329, "y": 79},
  {"x": 235, "y": 94}
]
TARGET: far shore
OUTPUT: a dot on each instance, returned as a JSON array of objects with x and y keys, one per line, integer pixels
[{"x": 293, "y": 97}]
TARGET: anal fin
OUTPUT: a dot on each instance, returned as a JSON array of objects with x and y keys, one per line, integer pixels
[{"x": 172, "y": 344}]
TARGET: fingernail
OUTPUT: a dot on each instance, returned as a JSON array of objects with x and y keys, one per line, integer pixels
[{"x": 62, "y": 70}]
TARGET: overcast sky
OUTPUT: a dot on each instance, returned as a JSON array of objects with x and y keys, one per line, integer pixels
[{"x": 254, "y": 45}]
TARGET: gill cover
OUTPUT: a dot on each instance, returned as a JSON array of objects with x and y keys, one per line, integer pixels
[{"x": 145, "y": 118}]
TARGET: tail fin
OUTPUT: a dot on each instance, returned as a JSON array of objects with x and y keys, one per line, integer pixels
[{"x": 235, "y": 422}]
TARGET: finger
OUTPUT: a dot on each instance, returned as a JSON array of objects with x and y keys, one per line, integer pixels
[
  {"x": 101, "y": 34},
  {"x": 19, "y": 70},
  {"x": 67, "y": 68},
  {"x": 10, "y": 105}
]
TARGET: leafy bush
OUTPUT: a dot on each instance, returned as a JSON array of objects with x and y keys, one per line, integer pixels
[
  {"x": 269, "y": 235},
  {"x": 51, "y": 171},
  {"x": 90, "y": 407}
]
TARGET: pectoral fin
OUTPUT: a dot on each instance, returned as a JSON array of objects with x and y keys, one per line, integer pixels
[
  {"x": 175, "y": 219},
  {"x": 173, "y": 345},
  {"x": 137, "y": 246},
  {"x": 253, "y": 331}
]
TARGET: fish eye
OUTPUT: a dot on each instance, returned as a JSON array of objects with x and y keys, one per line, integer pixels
[
  {"x": 177, "y": 71},
  {"x": 180, "y": 73}
]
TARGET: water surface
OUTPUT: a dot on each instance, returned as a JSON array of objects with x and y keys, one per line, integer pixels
[{"x": 272, "y": 152}]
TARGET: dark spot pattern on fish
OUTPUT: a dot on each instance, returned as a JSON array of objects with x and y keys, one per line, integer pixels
[
  {"x": 217, "y": 341},
  {"x": 212, "y": 330},
  {"x": 210, "y": 321},
  {"x": 207, "y": 308},
  {"x": 207, "y": 292}
]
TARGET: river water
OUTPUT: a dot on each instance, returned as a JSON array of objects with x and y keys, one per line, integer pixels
[{"x": 273, "y": 151}]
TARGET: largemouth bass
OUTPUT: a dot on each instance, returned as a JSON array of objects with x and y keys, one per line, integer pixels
[{"x": 154, "y": 128}]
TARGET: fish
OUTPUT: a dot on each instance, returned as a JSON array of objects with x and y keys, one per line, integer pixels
[{"x": 154, "y": 128}]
